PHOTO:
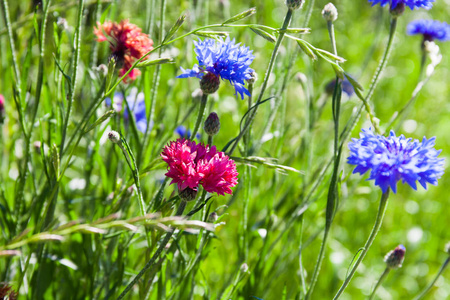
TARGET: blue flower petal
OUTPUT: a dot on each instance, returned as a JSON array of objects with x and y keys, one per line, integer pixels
[
  {"x": 224, "y": 58},
  {"x": 393, "y": 158}
]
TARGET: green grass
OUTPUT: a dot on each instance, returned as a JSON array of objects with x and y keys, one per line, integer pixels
[{"x": 98, "y": 261}]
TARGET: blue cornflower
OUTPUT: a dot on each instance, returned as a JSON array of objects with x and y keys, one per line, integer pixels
[
  {"x": 393, "y": 158},
  {"x": 185, "y": 133},
  {"x": 136, "y": 102},
  {"x": 222, "y": 59},
  {"x": 430, "y": 29},
  {"x": 410, "y": 3}
]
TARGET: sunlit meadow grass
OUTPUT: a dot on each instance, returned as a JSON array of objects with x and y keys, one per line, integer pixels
[{"x": 87, "y": 211}]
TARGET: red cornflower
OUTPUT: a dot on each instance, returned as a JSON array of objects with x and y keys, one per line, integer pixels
[
  {"x": 191, "y": 164},
  {"x": 127, "y": 42}
]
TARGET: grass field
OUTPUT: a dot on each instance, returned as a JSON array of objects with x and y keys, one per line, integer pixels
[{"x": 82, "y": 215}]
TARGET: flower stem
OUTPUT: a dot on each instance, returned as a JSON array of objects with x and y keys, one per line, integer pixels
[
  {"x": 249, "y": 121},
  {"x": 352, "y": 123},
  {"x": 373, "y": 234},
  {"x": 76, "y": 58},
  {"x": 131, "y": 161},
  {"x": 379, "y": 71},
  {"x": 332, "y": 198},
  {"x": 155, "y": 256},
  {"x": 379, "y": 282},
  {"x": 428, "y": 288},
  {"x": 201, "y": 113}
]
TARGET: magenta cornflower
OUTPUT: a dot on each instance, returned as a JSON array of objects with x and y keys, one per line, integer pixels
[
  {"x": 127, "y": 43},
  {"x": 191, "y": 165}
]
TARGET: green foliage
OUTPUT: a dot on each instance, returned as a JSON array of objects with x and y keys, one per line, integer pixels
[{"x": 73, "y": 223}]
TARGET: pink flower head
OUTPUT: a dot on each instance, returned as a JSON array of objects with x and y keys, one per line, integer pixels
[
  {"x": 2, "y": 102},
  {"x": 126, "y": 41},
  {"x": 191, "y": 164},
  {"x": 2, "y": 108}
]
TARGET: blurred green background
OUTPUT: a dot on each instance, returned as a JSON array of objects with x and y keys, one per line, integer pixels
[{"x": 416, "y": 219}]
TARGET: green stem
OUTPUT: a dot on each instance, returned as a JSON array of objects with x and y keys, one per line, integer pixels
[
  {"x": 249, "y": 121},
  {"x": 156, "y": 78},
  {"x": 373, "y": 234},
  {"x": 379, "y": 282},
  {"x": 12, "y": 47},
  {"x": 379, "y": 71},
  {"x": 352, "y": 123},
  {"x": 403, "y": 112},
  {"x": 73, "y": 82},
  {"x": 131, "y": 161},
  {"x": 201, "y": 113},
  {"x": 428, "y": 288},
  {"x": 332, "y": 198},
  {"x": 40, "y": 79},
  {"x": 155, "y": 256}
]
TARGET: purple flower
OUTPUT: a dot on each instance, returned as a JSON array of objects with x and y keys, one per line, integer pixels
[
  {"x": 222, "y": 59},
  {"x": 430, "y": 29},
  {"x": 410, "y": 3},
  {"x": 393, "y": 158},
  {"x": 136, "y": 102}
]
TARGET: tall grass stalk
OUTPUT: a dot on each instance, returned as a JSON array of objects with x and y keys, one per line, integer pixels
[
  {"x": 287, "y": 21},
  {"x": 333, "y": 196},
  {"x": 155, "y": 256}
]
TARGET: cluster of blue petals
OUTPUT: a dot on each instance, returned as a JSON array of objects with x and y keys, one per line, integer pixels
[
  {"x": 410, "y": 3},
  {"x": 136, "y": 103},
  {"x": 393, "y": 158},
  {"x": 225, "y": 59},
  {"x": 430, "y": 29}
]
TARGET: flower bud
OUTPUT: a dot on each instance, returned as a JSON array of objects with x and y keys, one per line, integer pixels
[
  {"x": 212, "y": 124},
  {"x": 187, "y": 194},
  {"x": 209, "y": 83},
  {"x": 62, "y": 24},
  {"x": 101, "y": 70},
  {"x": 213, "y": 217},
  {"x": 330, "y": 12},
  {"x": 244, "y": 268},
  {"x": 253, "y": 78},
  {"x": 114, "y": 137},
  {"x": 394, "y": 258},
  {"x": 37, "y": 147},
  {"x": 398, "y": 10},
  {"x": 115, "y": 61},
  {"x": 294, "y": 4}
]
